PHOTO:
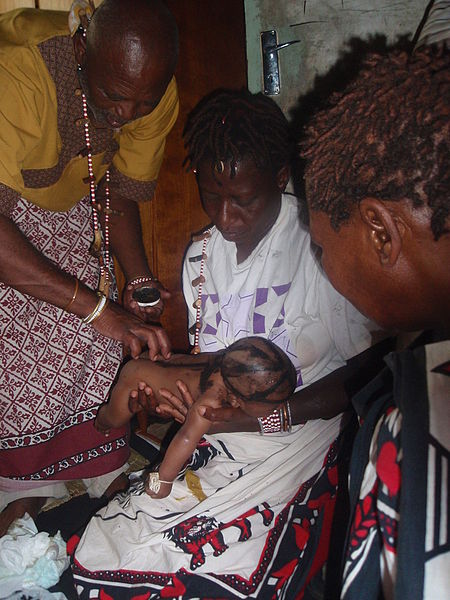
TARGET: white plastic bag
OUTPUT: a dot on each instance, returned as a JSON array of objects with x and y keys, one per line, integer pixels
[{"x": 30, "y": 560}]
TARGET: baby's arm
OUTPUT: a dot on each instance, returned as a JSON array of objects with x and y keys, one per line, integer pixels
[{"x": 183, "y": 444}]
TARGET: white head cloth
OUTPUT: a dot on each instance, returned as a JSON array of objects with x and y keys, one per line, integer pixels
[{"x": 80, "y": 13}]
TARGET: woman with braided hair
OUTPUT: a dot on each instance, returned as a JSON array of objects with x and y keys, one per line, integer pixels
[{"x": 250, "y": 514}]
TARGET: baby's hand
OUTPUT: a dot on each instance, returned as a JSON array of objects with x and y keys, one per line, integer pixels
[
  {"x": 142, "y": 398},
  {"x": 99, "y": 422},
  {"x": 175, "y": 407},
  {"x": 156, "y": 487}
]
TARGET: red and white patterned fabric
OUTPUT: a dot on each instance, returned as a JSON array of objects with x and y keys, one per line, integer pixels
[
  {"x": 398, "y": 540},
  {"x": 54, "y": 371},
  {"x": 249, "y": 518}
]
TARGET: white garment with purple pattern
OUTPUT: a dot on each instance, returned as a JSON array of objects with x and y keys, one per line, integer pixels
[{"x": 279, "y": 292}]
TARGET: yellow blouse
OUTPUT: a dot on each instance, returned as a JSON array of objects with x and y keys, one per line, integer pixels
[{"x": 29, "y": 137}]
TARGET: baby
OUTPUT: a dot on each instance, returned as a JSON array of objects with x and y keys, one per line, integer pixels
[{"x": 252, "y": 374}]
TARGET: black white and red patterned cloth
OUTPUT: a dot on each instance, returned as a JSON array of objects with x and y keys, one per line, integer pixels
[
  {"x": 398, "y": 545},
  {"x": 226, "y": 531}
]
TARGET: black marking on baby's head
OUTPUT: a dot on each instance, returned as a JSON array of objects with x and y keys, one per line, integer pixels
[{"x": 256, "y": 369}]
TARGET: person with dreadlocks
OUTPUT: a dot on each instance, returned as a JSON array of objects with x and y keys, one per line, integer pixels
[
  {"x": 250, "y": 514},
  {"x": 377, "y": 183}
]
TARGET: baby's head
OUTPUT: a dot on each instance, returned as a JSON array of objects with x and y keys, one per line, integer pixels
[{"x": 257, "y": 375}]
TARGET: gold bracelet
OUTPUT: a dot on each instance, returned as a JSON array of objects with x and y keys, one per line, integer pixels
[
  {"x": 98, "y": 310},
  {"x": 75, "y": 292}
]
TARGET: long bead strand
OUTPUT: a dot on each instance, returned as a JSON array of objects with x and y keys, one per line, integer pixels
[
  {"x": 198, "y": 302},
  {"x": 96, "y": 247}
]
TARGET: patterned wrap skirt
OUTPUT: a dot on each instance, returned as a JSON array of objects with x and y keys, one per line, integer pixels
[{"x": 54, "y": 370}]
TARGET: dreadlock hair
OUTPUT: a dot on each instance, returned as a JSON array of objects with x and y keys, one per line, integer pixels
[
  {"x": 228, "y": 125},
  {"x": 385, "y": 136}
]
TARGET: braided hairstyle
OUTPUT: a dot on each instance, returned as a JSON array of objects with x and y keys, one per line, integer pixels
[
  {"x": 229, "y": 125},
  {"x": 386, "y": 136},
  {"x": 255, "y": 369}
]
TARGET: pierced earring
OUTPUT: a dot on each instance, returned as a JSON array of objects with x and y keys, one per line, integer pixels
[
  {"x": 79, "y": 68},
  {"x": 219, "y": 166}
]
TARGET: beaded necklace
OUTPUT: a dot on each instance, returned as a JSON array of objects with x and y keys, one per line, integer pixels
[
  {"x": 199, "y": 281},
  {"x": 280, "y": 419},
  {"x": 96, "y": 246}
]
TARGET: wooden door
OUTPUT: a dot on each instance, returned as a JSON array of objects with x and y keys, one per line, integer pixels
[
  {"x": 212, "y": 54},
  {"x": 6, "y": 5}
]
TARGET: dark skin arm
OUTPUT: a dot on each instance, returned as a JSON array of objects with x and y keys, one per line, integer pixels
[
  {"x": 126, "y": 244},
  {"x": 322, "y": 399},
  {"x": 183, "y": 445},
  {"x": 27, "y": 270}
]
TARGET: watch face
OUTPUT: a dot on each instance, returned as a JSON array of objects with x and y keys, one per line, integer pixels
[{"x": 146, "y": 296}]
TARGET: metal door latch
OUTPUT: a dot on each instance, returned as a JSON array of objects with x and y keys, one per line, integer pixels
[{"x": 271, "y": 70}]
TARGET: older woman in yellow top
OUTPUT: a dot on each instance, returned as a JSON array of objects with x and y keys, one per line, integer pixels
[{"x": 87, "y": 101}]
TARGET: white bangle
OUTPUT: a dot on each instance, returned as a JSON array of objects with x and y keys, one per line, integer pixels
[
  {"x": 100, "y": 307},
  {"x": 153, "y": 482}
]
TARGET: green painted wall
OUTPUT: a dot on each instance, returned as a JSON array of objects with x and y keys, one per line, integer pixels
[{"x": 323, "y": 28}]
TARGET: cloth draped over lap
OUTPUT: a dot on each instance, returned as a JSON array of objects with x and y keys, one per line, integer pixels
[
  {"x": 248, "y": 478},
  {"x": 251, "y": 517}
]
